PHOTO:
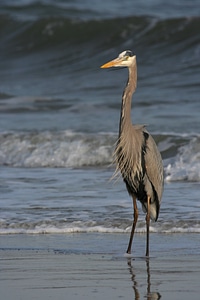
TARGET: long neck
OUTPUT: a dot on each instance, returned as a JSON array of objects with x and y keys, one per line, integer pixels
[{"x": 125, "y": 119}]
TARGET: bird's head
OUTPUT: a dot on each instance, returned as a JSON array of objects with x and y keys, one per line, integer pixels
[{"x": 125, "y": 59}]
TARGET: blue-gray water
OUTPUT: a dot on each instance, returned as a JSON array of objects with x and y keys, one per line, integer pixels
[{"x": 59, "y": 112}]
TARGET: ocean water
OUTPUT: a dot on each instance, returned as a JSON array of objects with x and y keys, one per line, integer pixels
[{"x": 59, "y": 112}]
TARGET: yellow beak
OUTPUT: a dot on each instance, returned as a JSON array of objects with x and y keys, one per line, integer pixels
[{"x": 110, "y": 64}]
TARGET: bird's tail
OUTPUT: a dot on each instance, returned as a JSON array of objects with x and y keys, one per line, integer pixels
[{"x": 154, "y": 210}]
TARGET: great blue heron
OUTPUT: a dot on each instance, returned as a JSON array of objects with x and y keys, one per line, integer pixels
[{"x": 136, "y": 154}]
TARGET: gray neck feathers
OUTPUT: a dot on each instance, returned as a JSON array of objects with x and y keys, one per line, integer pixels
[
  {"x": 123, "y": 154},
  {"x": 125, "y": 120}
]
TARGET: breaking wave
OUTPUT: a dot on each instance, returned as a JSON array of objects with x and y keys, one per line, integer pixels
[
  {"x": 50, "y": 227},
  {"x": 70, "y": 149}
]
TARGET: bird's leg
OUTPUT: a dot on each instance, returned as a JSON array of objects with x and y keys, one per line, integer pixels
[
  {"x": 135, "y": 216},
  {"x": 147, "y": 225}
]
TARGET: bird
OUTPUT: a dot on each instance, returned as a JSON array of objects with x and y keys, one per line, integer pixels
[{"x": 136, "y": 154}]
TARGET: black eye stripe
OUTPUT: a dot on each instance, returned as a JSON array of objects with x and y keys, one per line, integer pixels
[
  {"x": 129, "y": 53},
  {"x": 126, "y": 54}
]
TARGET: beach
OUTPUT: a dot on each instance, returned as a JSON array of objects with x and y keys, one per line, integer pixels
[
  {"x": 53, "y": 267},
  {"x": 64, "y": 224}
]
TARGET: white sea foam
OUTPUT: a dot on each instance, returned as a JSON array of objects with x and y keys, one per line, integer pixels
[
  {"x": 187, "y": 163},
  {"x": 48, "y": 229},
  {"x": 55, "y": 149}
]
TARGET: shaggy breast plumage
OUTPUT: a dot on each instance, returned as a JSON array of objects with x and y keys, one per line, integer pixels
[{"x": 132, "y": 164}]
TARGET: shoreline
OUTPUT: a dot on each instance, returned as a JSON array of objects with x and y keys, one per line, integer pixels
[{"x": 42, "y": 268}]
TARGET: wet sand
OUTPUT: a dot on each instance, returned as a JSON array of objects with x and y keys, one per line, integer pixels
[{"x": 56, "y": 267}]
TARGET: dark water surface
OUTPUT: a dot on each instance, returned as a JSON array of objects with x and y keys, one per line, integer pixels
[{"x": 59, "y": 111}]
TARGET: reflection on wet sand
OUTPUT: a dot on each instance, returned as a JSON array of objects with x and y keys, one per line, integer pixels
[{"x": 149, "y": 295}]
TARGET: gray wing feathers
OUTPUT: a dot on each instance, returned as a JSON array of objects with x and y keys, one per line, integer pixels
[{"x": 154, "y": 166}]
